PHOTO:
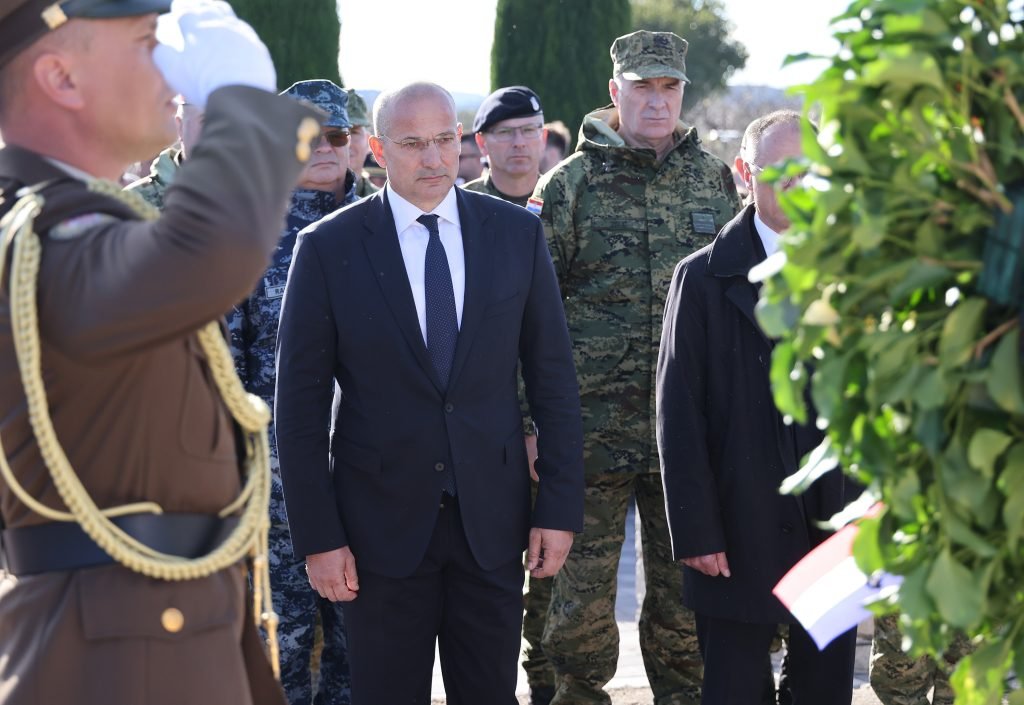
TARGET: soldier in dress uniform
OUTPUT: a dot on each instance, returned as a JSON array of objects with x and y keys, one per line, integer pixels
[
  {"x": 253, "y": 331},
  {"x": 126, "y": 526}
]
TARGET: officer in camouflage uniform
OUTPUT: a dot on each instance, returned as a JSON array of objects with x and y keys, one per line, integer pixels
[
  {"x": 253, "y": 330},
  {"x": 189, "y": 120},
  {"x": 359, "y": 142},
  {"x": 638, "y": 195},
  {"x": 515, "y": 161},
  {"x": 509, "y": 130},
  {"x": 898, "y": 679}
]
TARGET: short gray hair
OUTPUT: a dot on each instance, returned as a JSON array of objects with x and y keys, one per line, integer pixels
[
  {"x": 751, "y": 142},
  {"x": 384, "y": 106}
]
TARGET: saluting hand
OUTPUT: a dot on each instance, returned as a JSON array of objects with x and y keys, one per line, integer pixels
[
  {"x": 712, "y": 564},
  {"x": 333, "y": 574},
  {"x": 547, "y": 551}
]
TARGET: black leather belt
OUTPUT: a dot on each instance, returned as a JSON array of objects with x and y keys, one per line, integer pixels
[{"x": 57, "y": 546}]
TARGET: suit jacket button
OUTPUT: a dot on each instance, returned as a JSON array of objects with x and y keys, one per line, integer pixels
[
  {"x": 449, "y": 407},
  {"x": 787, "y": 528},
  {"x": 172, "y": 620},
  {"x": 439, "y": 467}
]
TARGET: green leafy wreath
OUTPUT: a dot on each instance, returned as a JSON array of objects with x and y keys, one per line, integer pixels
[{"x": 899, "y": 304}]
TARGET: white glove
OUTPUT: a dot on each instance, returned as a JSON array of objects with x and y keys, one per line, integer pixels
[{"x": 204, "y": 46}]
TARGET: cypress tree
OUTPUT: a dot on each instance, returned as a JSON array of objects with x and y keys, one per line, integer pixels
[
  {"x": 559, "y": 48},
  {"x": 302, "y": 36}
]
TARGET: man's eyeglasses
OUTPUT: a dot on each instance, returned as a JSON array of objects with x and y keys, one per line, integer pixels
[
  {"x": 446, "y": 142},
  {"x": 785, "y": 183},
  {"x": 507, "y": 134},
  {"x": 335, "y": 138}
]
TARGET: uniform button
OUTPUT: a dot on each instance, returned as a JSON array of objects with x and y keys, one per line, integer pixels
[
  {"x": 787, "y": 528},
  {"x": 439, "y": 467},
  {"x": 172, "y": 620},
  {"x": 449, "y": 407}
]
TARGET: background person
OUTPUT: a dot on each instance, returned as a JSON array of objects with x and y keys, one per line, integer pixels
[{"x": 638, "y": 194}]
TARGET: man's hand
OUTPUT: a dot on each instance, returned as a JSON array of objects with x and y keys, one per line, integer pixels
[
  {"x": 531, "y": 455},
  {"x": 333, "y": 574},
  {"x": 547, "y": 551},
  {"x": 712, "y": 564},
  {"x": 204, "y": 46}
]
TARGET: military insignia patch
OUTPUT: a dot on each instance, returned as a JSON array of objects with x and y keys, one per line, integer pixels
[
  {"x": 535, "y": 205},
  {"x": 274, "y": 292},
  {"x": 79, "y": 225},
  {"x": 703, "y": 223}
]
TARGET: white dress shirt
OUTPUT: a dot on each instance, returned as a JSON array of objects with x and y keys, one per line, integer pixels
[
  {"x": 413, "y": 237},
  {"x": 769, "y": 238}
]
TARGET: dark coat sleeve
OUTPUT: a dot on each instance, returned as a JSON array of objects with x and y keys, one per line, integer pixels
[
  {"x": 130, "y": 284},
  {"x": 306, "y": 350},
  {"x": 691, "y": 497},
  {"x": 549, "y": 373}
]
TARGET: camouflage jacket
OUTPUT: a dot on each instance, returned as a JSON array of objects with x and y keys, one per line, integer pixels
[
  {"x": 161, "y": 173},
  {"x": 485, "y": 185},
  {"x": 365, "y": 187},
  {"x": 617, "y": 221}
]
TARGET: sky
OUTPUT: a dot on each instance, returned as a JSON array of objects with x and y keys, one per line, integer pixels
[{"x": 388, "y": 43}]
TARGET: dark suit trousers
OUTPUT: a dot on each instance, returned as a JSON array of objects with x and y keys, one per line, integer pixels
[
  {"x": 475, "y": 616},
  {"x": 734, "y": 655}
]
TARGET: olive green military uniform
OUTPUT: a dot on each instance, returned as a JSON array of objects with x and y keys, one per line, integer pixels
[
  {"x": 161, "y": 173},
  {"x": 618, "y": 220},
  {"x": 898, "y": 679},
  {"x": 484, "y": 184},
  {"x": 359, "y": 115},
  {"x": 138, "y": 415}
]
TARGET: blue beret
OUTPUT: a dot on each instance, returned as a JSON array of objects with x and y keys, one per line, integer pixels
[{"x": 505, "y": 104}]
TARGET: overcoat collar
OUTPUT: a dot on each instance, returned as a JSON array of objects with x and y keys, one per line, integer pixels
[
  {"x": 736, "y": 250},
  {"x": 385, "y": 254}
]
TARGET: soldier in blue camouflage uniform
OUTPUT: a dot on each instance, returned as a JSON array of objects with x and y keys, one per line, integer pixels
[
  {"x": 253, "y": 329},
  {"x": 638, "y": 195}
]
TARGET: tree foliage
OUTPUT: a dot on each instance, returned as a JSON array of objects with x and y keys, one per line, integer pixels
[
  {"x": 302, "y": 36},
  {"x": 712, "y": 56},
  {"x": 886, "y": 296},
  {"x": 559, "y": 48}
]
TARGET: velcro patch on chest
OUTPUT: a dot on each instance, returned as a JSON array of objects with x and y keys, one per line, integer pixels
[
  {"x": 79, "y": 225},
  {"x": 274, "y": 291},
  {"x": 703, "y": 223},
  {"x": 535, "y": 205}
]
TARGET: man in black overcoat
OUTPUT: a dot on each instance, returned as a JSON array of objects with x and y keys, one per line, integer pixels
[{"x": 725, "y": 450}]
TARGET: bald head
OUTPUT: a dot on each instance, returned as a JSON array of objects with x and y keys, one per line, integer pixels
[
  {"x": 761, "y": 132},
  {"x": 388, "y": 104}
]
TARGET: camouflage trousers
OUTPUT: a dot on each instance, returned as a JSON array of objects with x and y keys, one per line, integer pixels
[
  {"x": 898, "y": 679},
  {"x": 539, "y": 674},
  {"x": 581, "y": 638},
  {"x": 298, "y": 607}
]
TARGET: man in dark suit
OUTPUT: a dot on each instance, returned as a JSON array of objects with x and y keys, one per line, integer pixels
[
  {"x": 725, "y": 450},
  {"x": 419, "y": 303}
]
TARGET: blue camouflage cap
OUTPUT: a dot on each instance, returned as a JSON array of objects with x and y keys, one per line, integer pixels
[{"x": 327, "y": 96}]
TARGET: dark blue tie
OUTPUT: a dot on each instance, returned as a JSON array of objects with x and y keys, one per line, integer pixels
[{"x": 442, "y": 320}]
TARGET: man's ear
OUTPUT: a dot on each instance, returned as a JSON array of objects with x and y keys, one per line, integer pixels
[
  {"x": 613, "y": 91},
  {"x": 743, "y": 171},
  {"x": 479, "y": 137},
  {"x": 377, "y": 148},
  {"x": 54, "y": 75}
]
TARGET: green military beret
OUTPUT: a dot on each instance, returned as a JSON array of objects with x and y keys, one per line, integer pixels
[
  {"x": 24, "y": 21},
  {"x": 644, "y": 54}
]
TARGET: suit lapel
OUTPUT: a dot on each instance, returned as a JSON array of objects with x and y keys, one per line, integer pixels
[
  {"x": 385, "y": 255},
  {"x": 476, "y": 246}
]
